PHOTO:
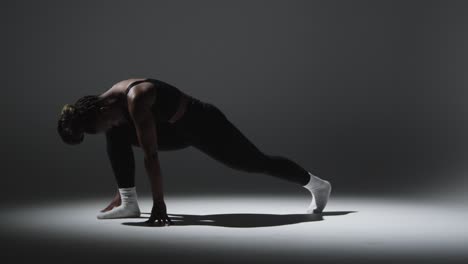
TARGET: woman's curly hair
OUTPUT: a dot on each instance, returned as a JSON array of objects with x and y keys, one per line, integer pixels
[{"x": 76, "y": 118}]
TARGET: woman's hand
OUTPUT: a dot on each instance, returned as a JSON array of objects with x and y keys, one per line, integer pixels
[
  {"x": 116, "y": 201},
  {"x": 159, "y": 213}
]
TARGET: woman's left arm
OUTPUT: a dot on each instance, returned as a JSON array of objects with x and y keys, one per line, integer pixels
[{"x": 140, "y": 112}]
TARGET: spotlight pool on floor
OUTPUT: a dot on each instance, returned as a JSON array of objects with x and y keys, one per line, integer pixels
[{"x": 244, "y": 228}]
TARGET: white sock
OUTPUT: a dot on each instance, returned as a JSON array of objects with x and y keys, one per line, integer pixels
[
  {"x": 128, "y": 208},
  {"x": 320, "y": 190}
]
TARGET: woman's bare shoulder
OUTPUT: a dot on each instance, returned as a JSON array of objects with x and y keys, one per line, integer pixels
[
  {"x": 119, "y": 88},
  {"x": 126, "y": 83}
]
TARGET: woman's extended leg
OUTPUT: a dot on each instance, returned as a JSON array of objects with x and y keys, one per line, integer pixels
[
  {"x": 223, "y": 141},
  {"x": 216, "y": 136}
]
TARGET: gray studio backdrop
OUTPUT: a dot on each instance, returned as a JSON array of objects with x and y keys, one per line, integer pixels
[{"x": 367, "y": 94}]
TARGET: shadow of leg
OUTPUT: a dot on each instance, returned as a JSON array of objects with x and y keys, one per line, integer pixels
[{"x": 245, "y": 220}]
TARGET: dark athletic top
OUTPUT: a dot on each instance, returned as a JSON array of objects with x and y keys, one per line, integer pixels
[{"x": 167, "y": 99}]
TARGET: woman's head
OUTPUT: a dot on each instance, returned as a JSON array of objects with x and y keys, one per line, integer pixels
[{"x": 79, "y": 118}]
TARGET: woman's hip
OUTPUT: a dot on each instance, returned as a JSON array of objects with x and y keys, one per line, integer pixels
[{"x": 200, "y": 119}]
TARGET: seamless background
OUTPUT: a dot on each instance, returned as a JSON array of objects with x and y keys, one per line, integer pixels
[{"x": 367, "y": 94}]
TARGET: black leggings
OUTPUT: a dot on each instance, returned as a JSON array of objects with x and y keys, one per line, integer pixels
[{"x": 206, "y": 128}]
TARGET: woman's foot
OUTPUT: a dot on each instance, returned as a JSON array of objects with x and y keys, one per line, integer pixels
[
  {"x": 129, "y": 210},
  {"x": 320, "y": 190},
  {"x": 123, "y": 206}
]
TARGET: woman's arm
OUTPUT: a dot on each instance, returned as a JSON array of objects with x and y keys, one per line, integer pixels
[{"x": 139, "y": 105}]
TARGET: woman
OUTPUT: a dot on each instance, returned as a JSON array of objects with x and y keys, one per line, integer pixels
[{"x": 157, "y": 116}]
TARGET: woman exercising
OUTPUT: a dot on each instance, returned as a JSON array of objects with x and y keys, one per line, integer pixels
[{"x": 157, "y": 116}]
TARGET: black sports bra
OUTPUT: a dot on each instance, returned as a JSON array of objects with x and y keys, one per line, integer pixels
[{"x": 167, "y": 99}]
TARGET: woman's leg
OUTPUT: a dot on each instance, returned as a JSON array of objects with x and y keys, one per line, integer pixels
[
  {"x": 211, "y": 132},
  {"x": 216, "y": 136},
  {"x": 119, "y": 142},
  {"x": 120, "y": 154}
]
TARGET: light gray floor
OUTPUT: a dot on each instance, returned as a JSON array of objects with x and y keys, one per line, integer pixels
[{"x": 244, "y": 229}]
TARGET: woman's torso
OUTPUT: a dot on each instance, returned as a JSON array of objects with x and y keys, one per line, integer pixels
[
  {"x": 166, "y": 100},
  {"x": 167, "y": 97},
  {"x": 165, "y": 105}
]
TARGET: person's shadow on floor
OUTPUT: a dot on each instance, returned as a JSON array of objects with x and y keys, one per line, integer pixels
[{"x": 242, "y": 220}]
